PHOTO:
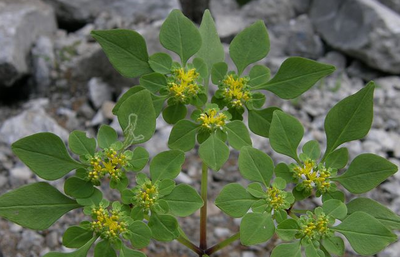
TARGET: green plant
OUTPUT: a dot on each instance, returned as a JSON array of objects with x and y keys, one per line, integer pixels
[{"x": 148, "y": 210}]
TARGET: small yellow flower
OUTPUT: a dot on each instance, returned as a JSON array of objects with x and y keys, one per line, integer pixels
[
  {"x": 312, "y": 176},
  {"x": 212, "y": 119},
  {"x": 275, "y": 198},
  {"x": 108, "y": 225},
  {"x": 236, "y": 90},
  {"x": 147, "y": 196},
  {"x": 184, "y": 86}
]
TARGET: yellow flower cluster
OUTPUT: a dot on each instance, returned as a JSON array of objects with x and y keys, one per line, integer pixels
[
  {"x": 212, "y": 119},
  {"x": 275, "y": 198},
  {"x": 111, "y": 163},
  {"x": 108, "y": 225},
  {"x": 314, "y": 227},
  {"x": 184, "y": 85},
  {"x": 235, "y": 90},
  {"x": 148, "y": 195},
  {"x": 313, "y": 176}
]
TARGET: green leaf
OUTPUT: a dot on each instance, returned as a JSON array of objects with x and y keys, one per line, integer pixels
[
  {"x": 283, "y": 171},
  {"x": 139, "y": 234},
  {"x": 337, "y": 159},
  {"x": 218, "y": 72},
  {"x": 201, "y": 67},
  {"x": 214, "y": 152},
  {"x": 78, "y": 188},
  {"x": 288, "y": 229},
  {"x": 211, "y": 50},
  {"x": 76, "y": 237},
  {"x": 335, "y": 208},
  {"x": 81, "y": 252},
  {"x": 180, "y": 35},
  {"x": 164, "y": 227},
  {"x": 166, "y": 186},
  {"x": 339, "y": 195},
  {"x": 256, "y": 228},
  {"x": 286, "y": 250},
  {"x": 133, "y": 90},
  {"x": 166, "y": 165},
  {"x": 126, "y": 252},
  {"x": 183, "y": 201},
  {"x": 153, "y": 82},
  {"x": 259, "y": 75},
  {"x": 139, "y": 159},
  {"x": 126, "y": 50},
  {"x": 249, "y": 46},
  {"x": 255, "y": 165},
  {"x": 377, "y": 210},
  {"x": 45, "y": 154},
  {"x": 234, "y": 200},
  {"x": 260, "y": 121},
  {"x": 350, "y": 119},
  {"x": 366, "y": 234},
  {"x": 161, "y": 63},
  {"x": 256, "y": 190},
  {"x": 312, "y": 251},
  {"x": 137, "y": 118},
  {"x": 296, "y": 76},
  {"x": 174, "y": 113},
  {"x": 286, "y": 133},
  {"x": 334, "y": 245},
  {"x": 104, "y": 249},
  {"x": 312, "y": 150},
  {"x": 366, "y": 172},
  {"x": 106, "y": 136},
  {"x": 183, "y": 135},
  {"x": 238, "y": 134},
  {"x": 93, "y": 199},
  {"x": 256, "y": 102},
  {"x": 36, "y": 206},
  {"x": 80, "y": 144}
]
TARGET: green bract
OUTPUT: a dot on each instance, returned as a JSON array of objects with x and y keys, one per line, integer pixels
[{"x": 149, "y": 205}]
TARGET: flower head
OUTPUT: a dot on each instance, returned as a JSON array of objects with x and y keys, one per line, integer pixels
[
  {"x": 235, "y": 90},
  {"x": 183, "y": 86},
  {"x": 312, "y": 176},
  {"x": 315, "y": 226},
  {"x": 212, "y": 119}
]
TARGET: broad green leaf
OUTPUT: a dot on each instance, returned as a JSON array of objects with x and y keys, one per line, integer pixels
[
  {"x": 80, "y": 144},
  {"x": 288, "y": 229},
  {"x": 283, "y": 171},
  {"x": 164, "y": 227},
  {"x": 45, "y": 154},
  {"x": 312, "y": 251},
  {"x": 335, "y": 208},
  {"x": 161, "y": 63},
  {"x": 339, "y": 195},
  {"x": 296, "y": 76},
  {"x": 377, "y": 210},
  {"x": 93, "y": 199},
  {"x": 201, "y": 67},
  {"x": 259, "y": 75},
  {"x": 255, "y": 165},
  {"x": 334, "y": 245},
  {"x": 256, "y": 228},
  {"x": 139, "y": 159},
  {"x": 312, "y": 150},
  {"x": 337, "y": 159},
  {"x": 256, "y": 190},
  {"x": 183, "y": 135},
  {"x": 133, "y": 90},
  {"x": 174, "y": 113},
  {"x": 180, "y": 35},
  {"x": 218, "y": 72},
  {"x": 81, "y": 252},
  {"x": 214, "y": 152},
  {"x": 166, "y": 186},
  {"x": 234, "y": 200},
  {"x": 76, "y": 237},
  {"x": 366, "y": 234},
  {"x": 286, "y": 133},
  {"x": 249, "y": 46},
  {"x": 260, "y": 121},
  {"x": 106, "y": 136},
  {"x": 183, "y": 201},
  {"x": 166, "y": 165},
  {"x": 104, "y": 249},
  {"x": 238, "y": 134},
  {"x": 211, "y": 50},
  {"x": 139, "y": 234},
  {"x": 256, "y": 102},
  {"x": 36, "y": 206},
  {"x": 78, "y": 188},
  {"x": 153, "y": 82},
  {"x": 286, "y": 250},
  {"x": 366, "y": 172},
  {"x": 350, "y": 119},
  {"x": 126, "y": 50},
  {"x": 126, "y": 252},
  {"x": 137, "y": 117}
]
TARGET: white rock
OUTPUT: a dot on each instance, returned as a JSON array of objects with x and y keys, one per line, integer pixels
[
  {"x": 222, "y": 232},
  {"x": 21, "y": 173},
  {"x": 99, "y": 92},
  {"x": 3, "y": 180}
]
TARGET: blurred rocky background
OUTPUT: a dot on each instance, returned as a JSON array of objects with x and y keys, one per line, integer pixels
[{"x": 54, "y": 77}]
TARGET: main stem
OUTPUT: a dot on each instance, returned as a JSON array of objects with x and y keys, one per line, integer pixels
[{"x": 203, "y": 211}]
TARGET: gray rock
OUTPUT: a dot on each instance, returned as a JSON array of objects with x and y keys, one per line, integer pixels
[
  {"x": 43, "y": 62},
  {"x": 21, "y": 22},
  {"x": 364, "y": 29},
  {"x": 361, "y": 70},
  {"x": 22, "y": 173},
  {"x": 3, "y": 181},
  {"x": 222, "y": 232},
  {"x": 271, "y": 11},
  {"x": 99, "y": 92},
  {"x": 335, "y": 58},
  {"x": 29, "y": 122},
  {"x": 301, "y": 6},
  {"x": 392, "y": 4}
]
